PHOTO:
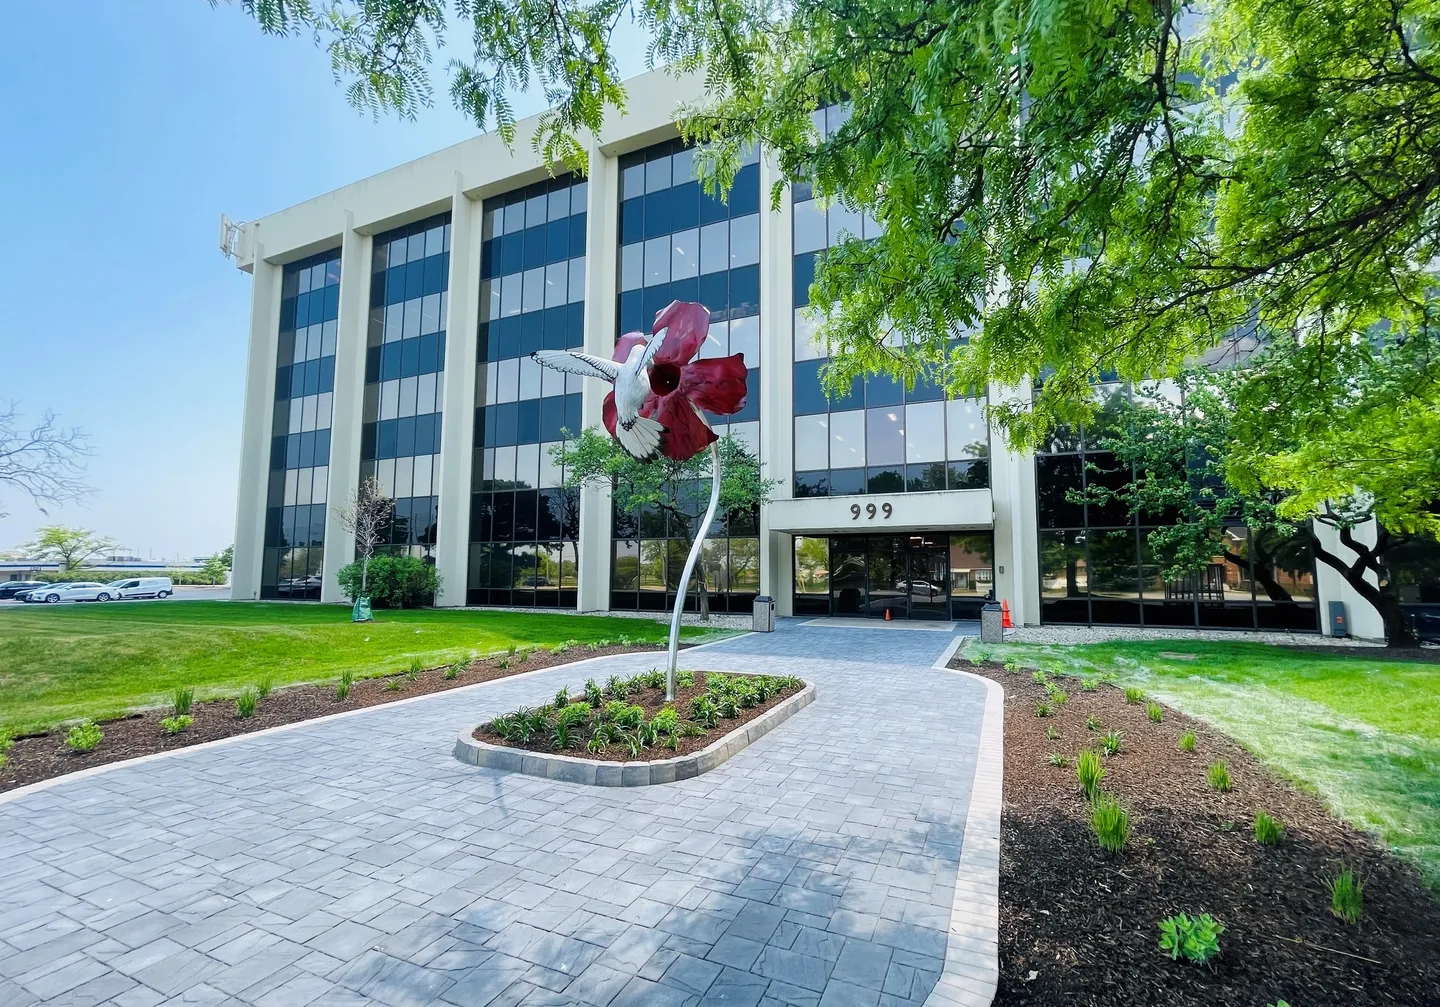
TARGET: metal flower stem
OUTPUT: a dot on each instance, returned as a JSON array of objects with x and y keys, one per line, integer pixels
[{"x": 690, "y": 568}]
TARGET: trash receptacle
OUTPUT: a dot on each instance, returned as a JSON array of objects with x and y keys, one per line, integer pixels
[
  {"x": 1338, "y": 625},
  {"x": 764, "y": 614},
  {"x": 991, "y": 623}
]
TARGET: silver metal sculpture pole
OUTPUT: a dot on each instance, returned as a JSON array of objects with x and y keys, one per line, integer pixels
[{"x": 690, "y": 567}]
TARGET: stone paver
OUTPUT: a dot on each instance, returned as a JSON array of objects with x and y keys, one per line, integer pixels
[{"x": 355, "y": 861}]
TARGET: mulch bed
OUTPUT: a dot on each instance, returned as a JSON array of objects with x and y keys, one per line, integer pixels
[
  {"x": 653, "y": 701},
  {"x": 1078, "y": 925},
  {"x": 41, "y": 757}
]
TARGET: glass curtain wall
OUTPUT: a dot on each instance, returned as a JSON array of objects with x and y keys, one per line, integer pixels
[
  {"x": 1096, "y": 564},
  {"x": 678, "y": 243},
  {"x": 881, "y": 437},
  {"x": 404, "y": 378},
  {"x": 300, "y": 442},
  {"x": 524, "y": 525}
]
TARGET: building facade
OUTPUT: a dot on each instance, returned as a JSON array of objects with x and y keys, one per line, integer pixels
[{"x": 391, "y": 326}]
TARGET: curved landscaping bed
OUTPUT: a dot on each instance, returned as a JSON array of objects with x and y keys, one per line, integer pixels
[{"x": 625, "y": 733}]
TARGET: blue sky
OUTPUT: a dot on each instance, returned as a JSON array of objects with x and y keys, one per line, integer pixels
[{"x": 126, "y": 136}]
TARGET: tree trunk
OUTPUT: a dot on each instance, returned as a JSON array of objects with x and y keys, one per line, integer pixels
[
  {"x": 1382, "y": 598},
  {"x": 365, "y": 573},
  {"x": 1260, "y": 574}
]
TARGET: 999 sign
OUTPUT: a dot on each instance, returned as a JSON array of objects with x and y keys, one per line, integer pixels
[{"x": 870, "y": 511}]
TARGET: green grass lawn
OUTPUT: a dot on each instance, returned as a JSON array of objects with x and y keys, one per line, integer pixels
[
  {"x": 73, "y": 661},
  {"x": 1362, "y": 732}
]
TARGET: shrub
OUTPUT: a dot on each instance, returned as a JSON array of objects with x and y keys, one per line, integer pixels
[
  {"x": 247, "y": 701},
  {"x": 394, "y": 581},
  {"x": 1347, "y": 896},
  {"x": 177, "y": 724},
  {"x": 84, "y": 737},
  {"x": 593, "y": 695},
  {"x": 413, "y": 672},
  {"x": 182, "y": 699},
  {"x": 1089, "y": 772},
  {"x": 342, "y": 688},
  {"x": 1094, "y": 723},
  {"x": 1219, "y": 776},
  {"x": 1110, "y": 821},
  {"x": 1268, "y": 830},
  {"x": 1186, "y": 742},
  {"x": 1052, "y": 734},
  {"x": 1196, "y": 939},
  {"x": 1155, "y": 712},
  {"x": 1133, "y": 696},
  {"x": 1111, "y": 742},
  {"x": 1056, "y": 759},
  {"x": 1043, "y": 710},
  {"x": 1088, "y": 685}
]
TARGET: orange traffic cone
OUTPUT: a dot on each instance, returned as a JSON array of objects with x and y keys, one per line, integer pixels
[
  {"x": 887, "y": 615},
  {"x": 1005, "y": 622}
]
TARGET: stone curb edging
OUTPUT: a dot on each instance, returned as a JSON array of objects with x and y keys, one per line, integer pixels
[
  {"x": 971, "y": 975},
  {"x": 569, "y": 769}
]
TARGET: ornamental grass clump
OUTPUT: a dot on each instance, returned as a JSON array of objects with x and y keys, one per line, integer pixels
[
  {"x": 342, "y": 687},
  {"x": 1268, "y": 830},
  {"x": 181, "y": 700},
  {"x": 246, "y": 702},
  {"x": 1110, "y": 821},
  {"x": 1089, "y": 771},
  {"x": 264, "y": 686},
  {"x": 1219, "y": 776},
  {"x": 1134, "y": 696},
  {"x": 1194, "y": 938},
  {"x": 1347, "y": 896},
  {"x": 1155, "y": 712},
  {"x": 1112, "y": 741},
  {"x": 1186, "y": 742}
]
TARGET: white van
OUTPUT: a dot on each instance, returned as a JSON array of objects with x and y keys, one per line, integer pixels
[{"x": 143, "y": 587}]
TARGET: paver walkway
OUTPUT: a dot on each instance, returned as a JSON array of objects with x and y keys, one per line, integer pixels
[{"x": 355, "y": 861}]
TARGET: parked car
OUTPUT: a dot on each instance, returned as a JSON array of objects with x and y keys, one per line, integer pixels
[
  {"x": 83, "y": 590},
  {"x": 13, "y": 589},
  {"x": 143, "y": 587}
]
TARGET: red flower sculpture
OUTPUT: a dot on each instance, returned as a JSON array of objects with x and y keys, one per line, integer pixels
[{"x": 681, "y": 387}]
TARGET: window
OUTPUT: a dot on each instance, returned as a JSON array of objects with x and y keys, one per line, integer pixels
[
  {"x": 299, "y": 477},
  {"x": 524, "y": 525}
]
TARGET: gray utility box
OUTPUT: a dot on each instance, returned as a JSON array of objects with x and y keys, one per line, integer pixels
[
  {"x": 764, "y": 614},
  {"x": 992, "y": 623},
  {"x": 1339, "y": 625}
]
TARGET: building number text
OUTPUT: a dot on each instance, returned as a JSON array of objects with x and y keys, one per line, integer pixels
[{"x": 870, "y": 509}]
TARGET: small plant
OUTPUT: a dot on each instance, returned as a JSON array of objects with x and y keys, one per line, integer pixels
[
  {"x": 523, "y": 655},
  {"x": 593, "y": 694},
  {"x": 1196, "y": 939},
  {"x": 1155, "y": 712},
  {"x": 1044, "y": 710},
  {"x": 392, "y": 685},
  {"x": 1056, "y": 759},
  {"x": 666, "y": 721},
  {"x": 1088, "y": 685},
  {"x": 1347, "y": 896},
  {"x": 1268, "y": 830},
  {"x": 182, "y": 699},
  {"x": 1110, "y": 821},
  {"x": 1186, "y": 742},
  {"x": 704, "y": 712},
  {"x": 690, "y": 730},
  {"x": 562, "y": 697},
  {"x": 1134, "y": 696},
  {"x": 1112, "y": 741},
  {"x": 1012, "y": 667},
  {"x": 246, "y": 702},
  {"x": 614, "y": 688},
  {"x": 177, "y": 725},
  {"x": 685, "y": 679},
  {"x": 1058, "y": 697},
  {"x": 503, "y": 663},
  {"x": 573, "y": 713},
  {"x": 84, "y": 737},
  {"x": 452, "y": 671},
  {"x": 728, "y": 708},
  {"x": 1040, "y": 678},
  {"x": 1093, "y": 723},
  {"x": 413, "y": 672},
  {"x": 342, "y": 688},
  {"x": 264, "y": 687},
  {"x": 1089, "y": 772},
  {"x": 655, "y": 678},
  {"x": 560, "y": 736},
  {"x": 1219, "y": 776},
  {"x": 1052, "y": 734}
]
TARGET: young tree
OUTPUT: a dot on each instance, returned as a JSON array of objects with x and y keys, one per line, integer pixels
[
  {"x": 43, "y": 462},
  {"x": 213, "y": 569},
  {"x": 1245, "y": 447},
  {"x": 71, "y": 547},
  {"x": 680, "y": 490},
  {"x": 365, "y": 516},
  {"x": 227, "y": 557}
]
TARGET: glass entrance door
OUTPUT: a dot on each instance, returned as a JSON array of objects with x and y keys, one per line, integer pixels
[{"x": 928, "y": 586}]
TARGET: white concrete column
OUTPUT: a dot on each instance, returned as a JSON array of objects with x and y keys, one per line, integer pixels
[
  {"x": 777, "y": 357},
  {"x": 1012, "y": 488},
  {"x": 602, "y": 222},
  {"x": 347, "y": 419},
  {"x": 255, "y": 426},
  {"x": 457, "y": 437},
  {"x": 1365, "y": 622}
]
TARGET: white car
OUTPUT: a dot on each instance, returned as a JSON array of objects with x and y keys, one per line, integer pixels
[
  {"x": 143, "y": 587},
  {"x": 83, "y": 590}
]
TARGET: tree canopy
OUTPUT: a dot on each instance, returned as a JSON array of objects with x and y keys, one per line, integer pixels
[{"x": 72, "y": 548}]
